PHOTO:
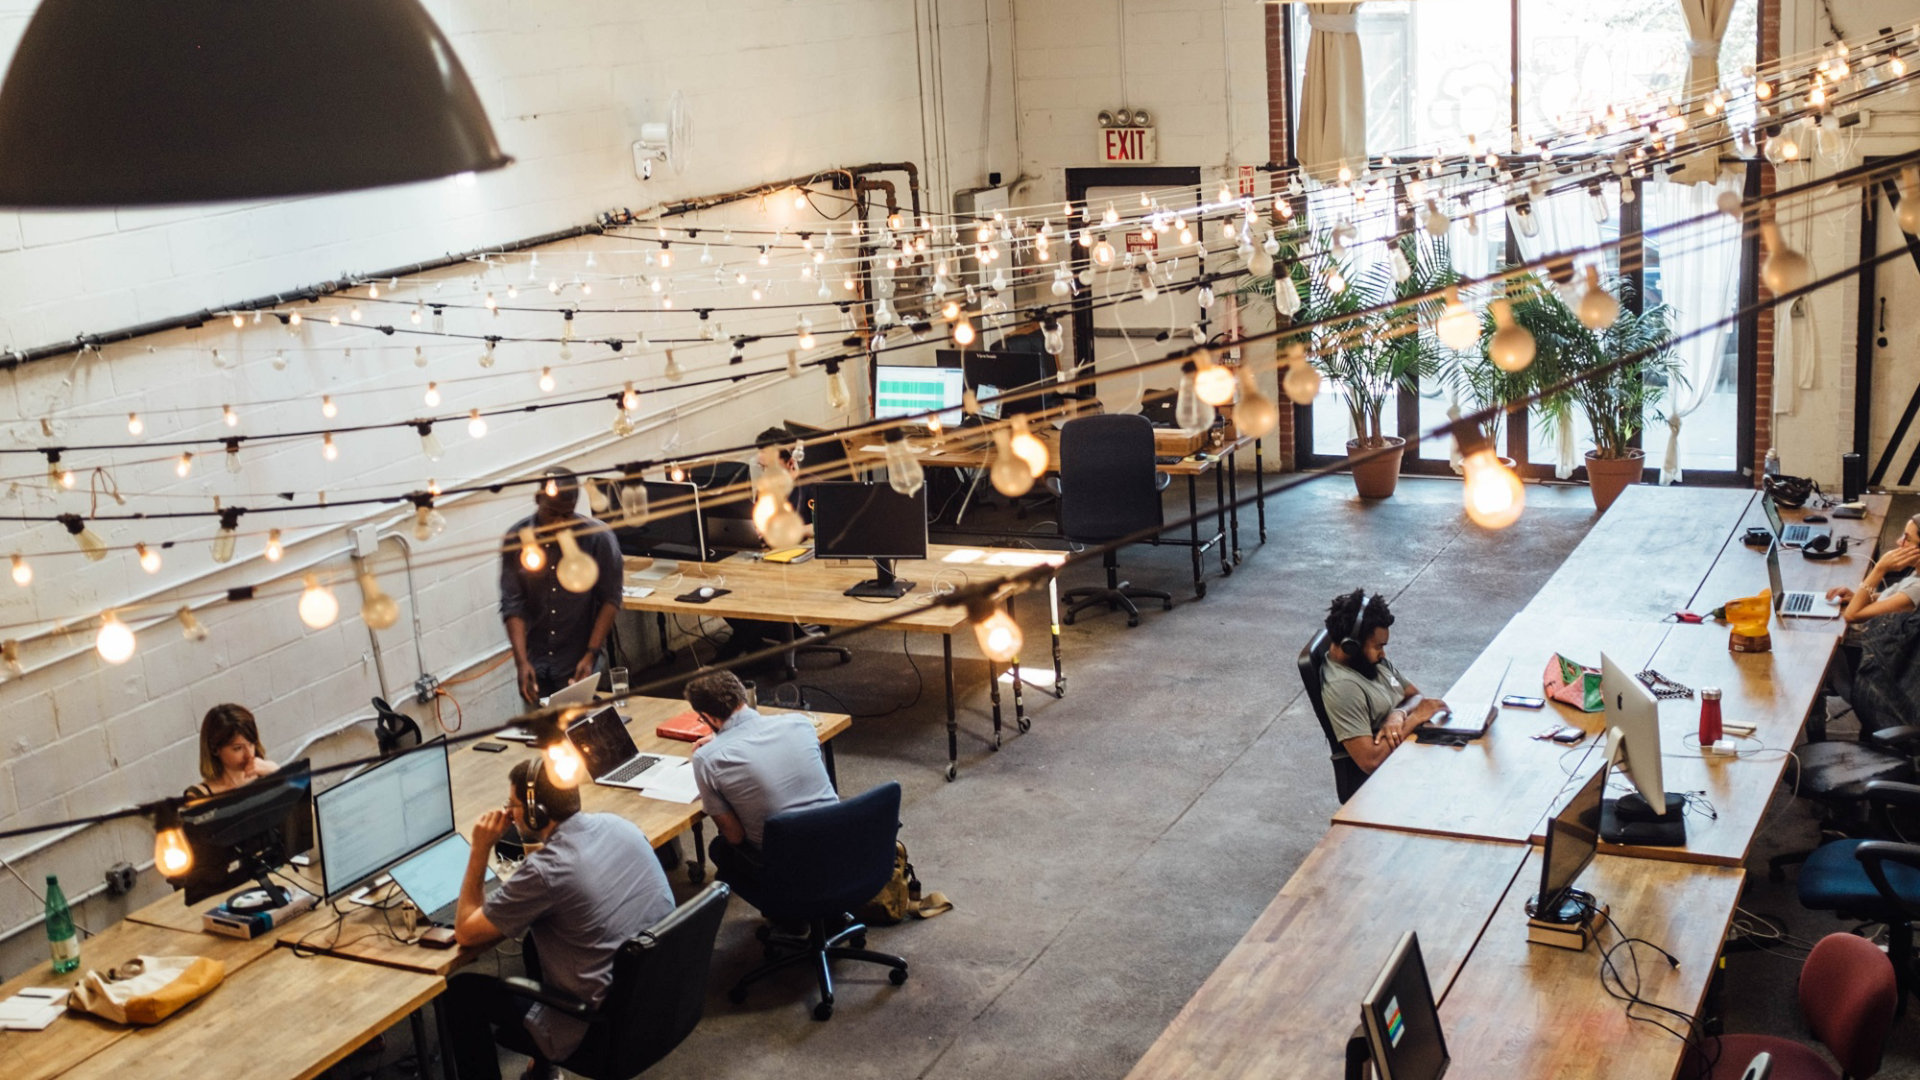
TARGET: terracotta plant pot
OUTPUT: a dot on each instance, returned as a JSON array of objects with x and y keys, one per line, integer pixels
[
  {"x": 1376, "y": 477},
  {"x": 1608, "y": 477}
]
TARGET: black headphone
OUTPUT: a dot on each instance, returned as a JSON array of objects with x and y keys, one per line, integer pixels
[
  {"x": 1350, "y": 644},
  {"x": 530, "y": 804},
  {"x": 1822, "y": 548}
]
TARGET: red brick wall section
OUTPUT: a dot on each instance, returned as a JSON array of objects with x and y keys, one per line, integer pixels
[
  {"x": 1763, "y": 337},
  {"x": 1277, "y": 118}
]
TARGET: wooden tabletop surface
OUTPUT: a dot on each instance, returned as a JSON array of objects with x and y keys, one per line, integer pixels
[
  {"x": 264, "y": 1022},
  {"x": 1499, "y": 787},
  {"x": 1518, "y": 1009},
  {"x": 1647, "y": 555},
  {"x": 812, "y": 591},
  {"x": 1742, "y": 570},
  {"x": 1284, "y": 1000}
]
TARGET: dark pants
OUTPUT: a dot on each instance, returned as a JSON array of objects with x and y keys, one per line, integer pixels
[
  {"x": 737, "y": 866},
  {"x": 553, "y": 674},
  {"x": 479, "y": 1014}
]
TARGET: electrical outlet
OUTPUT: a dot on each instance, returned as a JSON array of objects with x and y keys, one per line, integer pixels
[
  {"x": 425, "y": 687},
  {"x": 366, "y": 540},
  {"x": 120, "y": 879}
]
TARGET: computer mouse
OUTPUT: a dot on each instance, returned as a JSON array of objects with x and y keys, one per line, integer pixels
[
  {"x": 706, "y": 592},
  {"x": 1815, "y": 519}
]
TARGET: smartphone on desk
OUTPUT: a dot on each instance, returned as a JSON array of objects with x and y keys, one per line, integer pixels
[{"x": 1521, "y": 701}]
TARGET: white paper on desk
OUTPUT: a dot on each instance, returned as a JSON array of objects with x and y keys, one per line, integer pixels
[
  {"x": 636, "y": 592},
  {"x": 34, "y": 1008},
  {"x": 671, "y": 782},
  {"x": 874, "y": 448}
]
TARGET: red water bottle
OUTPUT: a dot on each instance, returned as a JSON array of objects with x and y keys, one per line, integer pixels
[{"x": 1709, "y": 716}]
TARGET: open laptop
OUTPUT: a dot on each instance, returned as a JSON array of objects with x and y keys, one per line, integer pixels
[
  {"x": 579, "y": 692},
  {"x": 1799, "y": 604},
  {"x": 1790, "y": 535},
  {"x": 612, "y": 758},
  {"x": 1450, "y": 726},
  {"x": 432, "y": 877}
]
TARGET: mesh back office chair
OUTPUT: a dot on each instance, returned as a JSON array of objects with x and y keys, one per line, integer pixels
[
  {"x": 1347, "y": 775},
  {"x": 1109, "y": 488},
  {"x": 818, "y": 865}
]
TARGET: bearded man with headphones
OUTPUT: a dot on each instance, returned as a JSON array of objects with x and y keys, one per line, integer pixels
[
  {"x": 1372, "y": 707},
  {"x": 591, "y": 885}
]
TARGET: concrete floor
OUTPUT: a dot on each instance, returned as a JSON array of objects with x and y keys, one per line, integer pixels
[{"x": 1102, "y": 864}]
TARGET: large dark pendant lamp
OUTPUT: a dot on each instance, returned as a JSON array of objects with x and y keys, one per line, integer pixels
[{"x": 129, "y": 102}]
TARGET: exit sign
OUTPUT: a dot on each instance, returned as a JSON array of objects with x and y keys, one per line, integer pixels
[{"x": 1128, "y": 146}]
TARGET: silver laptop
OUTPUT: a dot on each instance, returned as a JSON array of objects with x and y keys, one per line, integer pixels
[
  {"x": 1790, "y": 535},
  {"x": 432, "y": 877},
  {"x": 579, "y": 692},
  {"x": 612, "y": 759},
  {"x": 1799, "y": 604},
  {"x": 1454, "y": 724}
]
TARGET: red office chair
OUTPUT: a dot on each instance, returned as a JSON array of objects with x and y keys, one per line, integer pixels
[{"x": 1847, "y": 995}]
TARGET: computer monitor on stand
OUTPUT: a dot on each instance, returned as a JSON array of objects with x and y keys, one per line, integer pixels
[
  {"x": 1572, "y": 836},
  {"x": 870, "y": 521},
  {"x": 1653, "y": 816},
  {"x": 239, "y": 837}
]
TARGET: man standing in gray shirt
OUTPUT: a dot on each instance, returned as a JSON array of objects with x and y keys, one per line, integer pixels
[
  {"x": 752, "y": 768},
  {"x": 592, "y": 885}
]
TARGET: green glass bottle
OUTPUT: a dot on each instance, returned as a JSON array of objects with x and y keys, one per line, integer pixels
[{"x": 62, "y": 939}]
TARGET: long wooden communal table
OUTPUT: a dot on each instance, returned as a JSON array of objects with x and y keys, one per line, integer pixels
[
  {"x": 1742, "y": 571},
  {"x": 966, "y": 450},
  {"x": 813, "y": 592},
  {"x": 1647, "y": 556}
]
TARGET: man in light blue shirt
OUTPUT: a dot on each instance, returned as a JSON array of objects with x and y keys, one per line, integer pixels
[{"x": 750, "y": 769}]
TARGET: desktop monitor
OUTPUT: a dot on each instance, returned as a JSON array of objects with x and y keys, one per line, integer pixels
[
  {"x": 663, "y": 520},
  {"x": 1572, "y": 836},
  {"x": 382, "y": 815},
  {"x": 993, "y": 374},
  {"x": 901, "y": 391},
  {"x": 726, "y": 505},
  {"x": 870, "y": 521},
  {"x": 1653, "y": 815},
  {"x": 1401, "y": 1019},
  {"x": 240, "y": 836}
]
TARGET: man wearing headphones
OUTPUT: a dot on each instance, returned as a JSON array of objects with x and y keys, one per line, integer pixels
[
  {"x": 556, "y": 634},
  {"x": 592, "y": 884},
  {"x": 1371, "y": 706}
]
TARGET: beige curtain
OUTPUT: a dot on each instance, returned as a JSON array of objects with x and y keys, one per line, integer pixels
[
  {"x": 1706, "y": 26},
  {"x": 1333, "y": 95}
]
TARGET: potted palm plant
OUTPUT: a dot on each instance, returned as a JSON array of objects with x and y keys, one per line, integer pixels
[
  {"x": 1614, "y": 400},
  {"x": 1373, "y": 356}
]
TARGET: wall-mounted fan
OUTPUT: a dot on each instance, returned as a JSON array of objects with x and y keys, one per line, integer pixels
[{"x": 670, "y": 142}]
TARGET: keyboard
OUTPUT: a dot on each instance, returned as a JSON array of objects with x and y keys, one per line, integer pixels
[
  {"x": 1166, "y": 459},
  {"x": 1798, "y": 603},
  {"x": 1795, "y": 534},
  {"x": 632, "y": 769}
]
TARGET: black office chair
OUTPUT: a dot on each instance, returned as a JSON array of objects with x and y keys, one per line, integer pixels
[
  {"x": 1874, "y": 880},
  {"x": 819, "y": 865},
  {"x": 1347, "y": 774},
  {"x": 1834, "y": 774},
  {"x": 1109, "y": 489},
  {"x": 394, "y": 730},
  {"x": 658, "y": 994}
]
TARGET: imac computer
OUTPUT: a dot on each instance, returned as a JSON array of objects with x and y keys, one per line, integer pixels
[
  {"x": 1028, "y": 376},
  {"x": 1401, "y": 1020},
  {"x": 726, "y": 505},
  {"x": 1572, "y": 837},
  {"x": 238, "y": 837},
  {"x": 870, "y": 521},
  {"x": 902, "y": 391},
  {"x": 383, "y": 815},
  {"x": 1653, "y": 816}
]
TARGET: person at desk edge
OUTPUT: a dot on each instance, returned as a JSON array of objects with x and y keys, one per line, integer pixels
[
  {"x": 557, "y": 635},
  {"x": 750, "y": 769},
  {"x": 1874, "y": 596},
  {"x": 231, "y": 754},
  {"x": 592, "y": 885},
  {"x": 1371, "y": 706}
]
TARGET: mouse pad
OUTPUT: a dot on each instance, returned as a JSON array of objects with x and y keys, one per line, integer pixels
[{"x": 694, "y": 597}]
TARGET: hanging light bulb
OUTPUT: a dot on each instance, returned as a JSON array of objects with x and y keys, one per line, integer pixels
[
  {"x": 1494, "y": 495},
  {"x": 1255, "y": 414},
  {"x": 1512, "y": 347},
  {"x": 1286, "y": 294},
  {"x": 577, "y": 570},
  {"x": 190, "y": 627},
  {"x": 1149, "y": 292},
  {"x": 765, "y": 505},
  {"x": 231, "y": 418},
  {"x": 904, "y": 473},
  {"x": 1397, "y": 262},
  {"x": 1437, "y": 221},
  {"x": 1028, "y": 447},
  {"x": 184, "y": 466},
  {"x": 785, "y": 528},
  {"x": 1053, "y": 338},
  {"x": 327, "y": 448},
  {"x": 377, "y": 609},
  {"x": 90, "y": 543},
  {"x": 432, "y": 396},
  {"x": 1785, "y": 269},
  {"x": 837, "y": 396},
  {"x": 531, "y": 555},
  {"x": 1103, "y": 253},
  {"x": 114, "y": 642},
  {"x": 999, "y": 636},
  {"x": 22, "y": 573},
  {"x": 805, "y": 337},
  {"x": 1189, "y": 412},
  {"x": 1458, "y": 327},
  {"x": 1302, "y": 381},
  {"x": 1213, "y": 383},
  {"x": 1206, "y": 296},
  {"x": 428, "y": 522},
  {"x": 318, "y": 607},
  {"x": 274, "y": 549},
  {"x": 476, "y": 424},
  {"x": 1260, "y": 263},
  {"x": 963, "y": 334},
  {"x": 564, "y": 765},
  {"x": 1597, "y": 203},
  {"x": 57, "y": 474},
  {"x": 227, "y": 537},
  {"x": 327, "y": 408},
  {"x": 429, "y": 442},
  {"x": 1009, "y": 471},
  {"x": 1598, "y": 307},
  {"x": 546, "y": 380},
  {"x": 149, "y": 558},
  {"x": 135, "y": 425},
  {"x": 171, "y": 855}
]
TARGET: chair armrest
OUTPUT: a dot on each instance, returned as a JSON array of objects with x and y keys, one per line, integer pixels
[
  {"x": 1873, "y": 856},
  {"x": 551, "y": 997},
  {"x": 1905, "y": 737},
  {"x": 1886, "y": 793}
]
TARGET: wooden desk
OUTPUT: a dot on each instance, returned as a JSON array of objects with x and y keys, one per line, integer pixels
[
  {"x": 1518, "y": 1009},
  {"x": 1648, "y": 554},
  {"x": 1500, "y": 787},
  {"x": 1284, "y": 1000},
  {"x": 173, "y": 912},
  {"x": 813, "y": 592},
  {"x": 283, "y": 1018},
  {"x": 1742, "y": 571},
  {"x": 75, "y": 1037}
]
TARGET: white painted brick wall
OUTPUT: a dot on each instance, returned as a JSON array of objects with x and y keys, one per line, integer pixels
[{"x": 786, "y": 89}]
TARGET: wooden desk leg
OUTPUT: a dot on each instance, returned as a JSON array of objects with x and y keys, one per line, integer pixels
[
  {"x": 1220, "y": 515},
  {"x": 697, "y": 866},
  {"x": 1193, "y": 534},
  {"x": 1053, "y": 612},
  {"x": 1233, "y": 500},
  {"x": 1260, "y": 487},
  {"x": 953, "y": 717}
]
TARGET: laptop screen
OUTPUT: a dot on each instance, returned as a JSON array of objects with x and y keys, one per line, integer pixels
[
  {"x": 1773, "y": 575},
  {"x": 1403, "y": 1025},
  {"x": 431, "y": 879},
  {"x": 603, "y": 740},
  {"x": 1773, "y": 514}
]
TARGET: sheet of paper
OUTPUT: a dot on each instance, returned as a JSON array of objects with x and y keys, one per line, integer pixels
[
  {"x": 671, "y": 783},
  {"x": 874, "y": 448},
  {"x": 34, "y": 1008},
  {"x": 636, "y": 592}
]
